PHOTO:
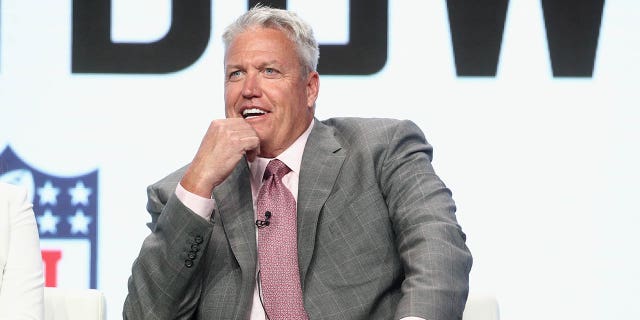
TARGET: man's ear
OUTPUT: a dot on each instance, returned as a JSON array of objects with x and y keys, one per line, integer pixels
[{"x": 313, "y": 87}]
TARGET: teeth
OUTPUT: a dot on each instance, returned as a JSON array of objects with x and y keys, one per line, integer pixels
[{"x": 252, "y": 112}]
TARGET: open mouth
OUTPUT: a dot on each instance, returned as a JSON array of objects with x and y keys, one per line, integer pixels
[{"x": 252, "y": 113}]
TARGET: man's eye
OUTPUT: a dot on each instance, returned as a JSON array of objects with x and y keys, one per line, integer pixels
[
  {"x": 270, "y": 71},
  {"x": 235, "y": 74}
]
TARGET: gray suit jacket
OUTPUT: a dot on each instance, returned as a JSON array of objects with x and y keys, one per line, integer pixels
[{"x": 377, "y": 235}]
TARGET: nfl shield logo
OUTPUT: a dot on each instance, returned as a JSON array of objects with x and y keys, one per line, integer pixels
[{"x": 66, "y": 211}]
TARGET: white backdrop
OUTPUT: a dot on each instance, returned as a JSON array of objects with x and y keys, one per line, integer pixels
[{"x": 544, "y": 170}]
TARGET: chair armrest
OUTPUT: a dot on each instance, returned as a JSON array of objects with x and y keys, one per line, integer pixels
[
  {"x": 74, "y": 304},
  {"x": 481, "y": 307}
]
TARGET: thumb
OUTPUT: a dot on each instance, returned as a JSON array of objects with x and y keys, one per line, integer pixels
[{"x": 253, "y": 153}]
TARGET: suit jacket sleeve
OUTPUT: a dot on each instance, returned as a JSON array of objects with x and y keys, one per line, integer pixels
[
  {"x": 166, "y": 277},
  {"x": 430, "y": 242}
]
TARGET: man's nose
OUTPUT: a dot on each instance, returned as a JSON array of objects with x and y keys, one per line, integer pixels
[{"x": 251, "y": 86}]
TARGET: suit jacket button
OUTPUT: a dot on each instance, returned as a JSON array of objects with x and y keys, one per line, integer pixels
[
  {"x": 188, "y": 263},
  {"x": 198, "y": 239},
  {"x": 195, "y": 247},
  {"x": 191, "y": 255}
]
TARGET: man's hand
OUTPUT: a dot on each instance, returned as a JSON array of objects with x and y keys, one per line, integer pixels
[{"x": 223, "y": 146}]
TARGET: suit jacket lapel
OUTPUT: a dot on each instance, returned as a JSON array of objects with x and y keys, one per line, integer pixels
[
  {"x": 235, "y": 206},
  {"x": 321, "y": 162}
]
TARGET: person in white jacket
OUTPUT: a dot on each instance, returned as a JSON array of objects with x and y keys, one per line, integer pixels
[{"x": 21, "y": 278}]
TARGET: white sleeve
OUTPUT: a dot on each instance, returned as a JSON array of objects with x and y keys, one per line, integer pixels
[
  {"x": 201, "y": 206},
  {"x": 21, "y": 294}
]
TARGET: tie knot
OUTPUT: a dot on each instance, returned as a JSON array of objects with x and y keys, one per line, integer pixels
[{"x": 277, "y": 168}]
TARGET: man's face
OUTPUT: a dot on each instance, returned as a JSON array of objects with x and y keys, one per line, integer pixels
[{"x": 265, "y": 85}]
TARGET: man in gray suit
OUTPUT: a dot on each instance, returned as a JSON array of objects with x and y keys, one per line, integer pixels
[{"x": 377, "y": 236}]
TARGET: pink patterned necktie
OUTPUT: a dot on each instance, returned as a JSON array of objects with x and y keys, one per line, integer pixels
[{"x": 277, "y": 247}]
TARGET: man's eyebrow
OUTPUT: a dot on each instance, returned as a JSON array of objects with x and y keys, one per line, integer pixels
[
  {"x": 261, "y": 65},
  {"x": 232, "y": 66}
]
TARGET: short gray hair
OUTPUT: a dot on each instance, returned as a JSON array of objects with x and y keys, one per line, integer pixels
[{"x": 291, "y": 24}]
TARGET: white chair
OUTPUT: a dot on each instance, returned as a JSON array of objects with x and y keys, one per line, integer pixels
[
  {"x": 481, "y": 307},
  {"x": 74, "y": 304}
]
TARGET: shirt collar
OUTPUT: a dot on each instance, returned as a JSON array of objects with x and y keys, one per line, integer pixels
[{"x": 292, "y": 156}]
